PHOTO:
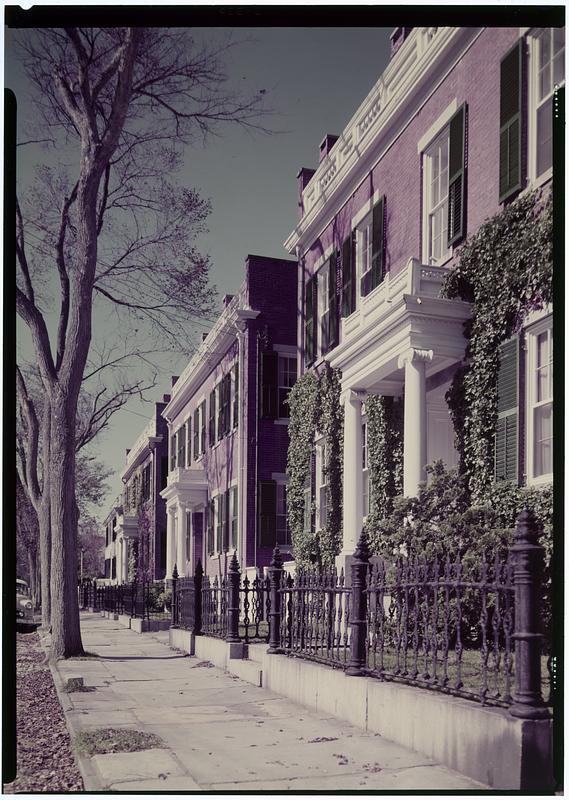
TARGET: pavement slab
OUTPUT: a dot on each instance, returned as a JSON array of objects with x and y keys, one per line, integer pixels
[{"x": 220, "y": 733}]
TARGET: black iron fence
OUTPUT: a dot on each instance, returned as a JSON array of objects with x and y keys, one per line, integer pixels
[{"x": 139, "y": 599}]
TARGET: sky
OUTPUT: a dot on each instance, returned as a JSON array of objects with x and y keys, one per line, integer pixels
[{"x": 314, "y": 80}]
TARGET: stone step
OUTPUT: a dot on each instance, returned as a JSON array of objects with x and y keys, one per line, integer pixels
[{"x": 247, "y": 670}]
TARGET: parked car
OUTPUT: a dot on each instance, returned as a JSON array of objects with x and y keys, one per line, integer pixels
[{"x": 24, "y": 605}]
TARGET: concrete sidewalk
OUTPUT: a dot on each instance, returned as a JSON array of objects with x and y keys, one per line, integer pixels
[{"x": 218, "y": 731}]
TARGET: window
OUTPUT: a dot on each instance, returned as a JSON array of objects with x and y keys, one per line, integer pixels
[
  {"x": 322, "y": 486},
  {"x": 436, "y": 198},
  {"x": 310, "y": 318},
  {"x": 548, "y": 72},
  {"x": 211, "y": 427},
  {"x": 283, "y": 530},
  {"x": 164, "y": 470},
  {"x": 224, "y": 406},
  {"x": 323, "y": 284},
  {"x": 199, "y": 431},
  {"x": 444, "y": 189},
  {"x": 202, "y": 427},
  {"x": 210, "y": 527},
  {"x": 365, "y": 469},
  {"x": 510, "y": 159},
  {"x": 188, "y": 536},
  {"x": 287, "y": 379},
  {"x": 364, "y": 246},
  {"x": 146, "y": 482},
  {"x": 540, "y": 415}
]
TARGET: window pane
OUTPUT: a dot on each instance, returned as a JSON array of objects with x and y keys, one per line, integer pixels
[
  {"x": 542, "y": 348},
  {"x": 559, "y": 68},
  {"x": 543, "y": 432},
  {"x": 558, "y": 40},
  {"x": 544, "y": 137},
  {"x": 544, "y": 48}
]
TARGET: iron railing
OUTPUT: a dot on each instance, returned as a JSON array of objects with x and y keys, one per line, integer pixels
[
  {"x": 254, "y": 609},
  {"x": 443, "y": 626},
  {"x": 315, "y": 617},
  {"x": 140, "y": 599},
  {"x": 215, "y": 596}
]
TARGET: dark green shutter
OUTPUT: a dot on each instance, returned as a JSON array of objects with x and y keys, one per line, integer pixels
[
  {"x": 510, "y": 122},
  {"x": 333, "y": 322},
  {"x": 202, "y": 432},
  {"x": 267, "y": 513},
  {"x": 172, "y": 452},
  {"x": 196, "y": 433},
  {"x": 234, "y": 518},
  {"x": 310, "y": 317},
  {"x": 269, "y": 385},
  {"x": 219, "y": 505},
  {"x": 457, "y": 177},
  {"x": 210, "y": 520},
  {"x": 378, "y": 251},
  {"x": 211, "y": 426},
  {"x": 182, "y": 446},
  {"x": 227, "y": 406},
  {"x": 189, "y": 442},
  {"x": 348, "y": 277},
  {"x": 226, "y": 521},
  {"x": 506, "y": 442},
  {"x": 236, "y": 396}
]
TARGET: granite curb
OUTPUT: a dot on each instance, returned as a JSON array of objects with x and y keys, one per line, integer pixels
[{"x": 91, "y": 780}]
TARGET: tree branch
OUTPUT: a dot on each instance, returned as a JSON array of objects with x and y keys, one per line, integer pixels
[
  {"x": 30, "y": 460},
  {"x": 63, "y": 278},
  {"x": 36, "y": 323}
]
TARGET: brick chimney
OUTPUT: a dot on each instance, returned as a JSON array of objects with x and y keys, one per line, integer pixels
[
  {"x": 304, "y": 176},
  {"x": 326, "y": 145},
  {"x": 226, "y": 299},
  {"x": 165, "y": 398},
  {"x": 174, "y": 379},
  {"x": 397, "y": 38}
]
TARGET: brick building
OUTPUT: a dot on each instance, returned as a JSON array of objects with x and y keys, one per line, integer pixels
[
  {"x": 457, "y": 126},
  {"x": 227, "y": 423},
  {"x": 136, "y": 526}
]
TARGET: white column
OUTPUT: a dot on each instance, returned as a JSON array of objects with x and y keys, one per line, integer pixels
[
  {"x": 170, "y": 542},
  {"x": 415, "y": 419},
  {"x": 353, "y": 475},
  {"x": 124, "y": 577},
  {"x": 181, "y": 550}
]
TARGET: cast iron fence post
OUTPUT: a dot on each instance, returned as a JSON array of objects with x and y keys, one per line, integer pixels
[
  {"x": 234, "y": 579},
  {"x": 198, "y": 580},
  {"x": 275, "y": 580},
  {"x": 358, "y": 622},
  {"x": 528, "y": 570},
  {"x": 173, "y": 610}
]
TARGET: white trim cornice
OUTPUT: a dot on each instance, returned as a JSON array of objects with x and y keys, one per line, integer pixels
[{"x": 422, "y": 62}]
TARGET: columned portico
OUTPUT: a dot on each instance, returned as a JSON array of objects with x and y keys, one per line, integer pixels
[
  {"x": 186, "y": 491},
  {"x": 415, "y": 418}
]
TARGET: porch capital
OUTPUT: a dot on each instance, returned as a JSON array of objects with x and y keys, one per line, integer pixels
[
  {"x": 353, "y": 396},
  {"x": 414, "y": 354}
]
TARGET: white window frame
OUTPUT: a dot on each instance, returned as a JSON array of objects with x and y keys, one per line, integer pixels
[
  {"x": 232, "y": 496},
  {"x": 201, "y": 413},
  {"x": 233, "y": 426},
  {"x": 282, "y": 484},
  {"x": 290, "y": 357},
  {"x": 323, "y": 289},
  {"x": 365, "y": 225},
  {"x": 532, "y": 403},
  {"x": 533, "y": 93},
  {"x": 427, "y": 161}
]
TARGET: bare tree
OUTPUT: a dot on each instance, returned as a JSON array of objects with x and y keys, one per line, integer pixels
[{"x": 115, "y": 228}]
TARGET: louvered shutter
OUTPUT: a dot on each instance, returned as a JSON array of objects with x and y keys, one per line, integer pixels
[
  {"x": 210, "y": 515},
  {"x": 313, "y": 489},
  {"x": 225, "y": 522},
  {"x": 227, "y": 404},
  {"x": 510, "y": 122},
  {"x": 189, "y": 441},
  {"x": 457, "y": 177},
  {"x": 506, "y": 442},
  {"x": 348, "y": 276},
  {"x": 378, "y": 250},
  {"x": 202, "y": 432},
  {"x": 269, "y": 385},
  {"x": 234, "y": 517},
  {"x": 267, "y": 513},
  {"x": 172, "y": 452},
  {"x": 236, "y": 395},
  {"x": 196, "y": 433},
  {"x": 333, "y": 322},
  {"x": 211, "y": 427},
  {"x": 310, "y": 322},
  {"x": 182, "y": 446}
]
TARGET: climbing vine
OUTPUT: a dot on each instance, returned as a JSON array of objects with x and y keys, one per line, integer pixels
[
  {"x": 315, "y": 407},
  {"x": 505, "y": 270},
  {"x": 385, "y": 452}
]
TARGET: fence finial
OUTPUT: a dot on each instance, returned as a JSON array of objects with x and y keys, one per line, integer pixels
[
  {"x": 175, "y": 573},
  {"x": 362, "y": 548},
  {"x": 277, "y": 560}
]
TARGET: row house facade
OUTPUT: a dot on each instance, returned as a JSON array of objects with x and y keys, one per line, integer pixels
[
  {"x": 228, "y": 429},
  {"x": 458, "y": 125},
  {"x": 135, "y": 529}
]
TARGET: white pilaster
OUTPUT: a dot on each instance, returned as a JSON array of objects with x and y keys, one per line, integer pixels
[
  {"x": 124, "y": 576},
  {"x": 415, "y": 419},
  {"x": 353, "y": 476},
  {"x": 181, "y": 550},
  {"x": 170, "y": 542}
]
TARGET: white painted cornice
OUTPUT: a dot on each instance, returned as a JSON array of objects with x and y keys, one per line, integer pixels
[
  {"x": 423, "y": 60},
  {"x": 228, "y": 325},
  {"x": 185, "y": 487},
  {"x": 144, "y": 446}
]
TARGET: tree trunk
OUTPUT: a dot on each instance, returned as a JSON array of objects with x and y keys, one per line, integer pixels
[
  {"x": 44, "y": 519},
  {"x": 66, "y": 631}
]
